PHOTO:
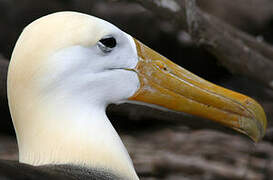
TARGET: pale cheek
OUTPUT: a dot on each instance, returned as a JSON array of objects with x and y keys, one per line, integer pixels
[
  {"x": 127, "y": 85},
  {"x": 134, "y": 82}
]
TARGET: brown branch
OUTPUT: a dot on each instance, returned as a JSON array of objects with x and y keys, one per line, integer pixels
[
  {"x": 236, "y": 50},
  {"x": 162, "y": 153},
  {"x": 250, "y": 14},
  {"x": 230, "y": 46}
]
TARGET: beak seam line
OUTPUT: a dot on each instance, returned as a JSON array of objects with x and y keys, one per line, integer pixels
[{"x": 251, "y": 115}]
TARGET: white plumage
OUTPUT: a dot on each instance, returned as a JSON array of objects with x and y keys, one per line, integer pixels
[{"x": 64, "y": 83}]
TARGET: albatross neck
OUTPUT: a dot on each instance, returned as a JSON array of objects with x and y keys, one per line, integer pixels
[{"x": 70, "y": 133}]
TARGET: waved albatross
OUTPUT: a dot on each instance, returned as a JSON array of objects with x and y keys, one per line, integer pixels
[{"x": 67, "y": 67}]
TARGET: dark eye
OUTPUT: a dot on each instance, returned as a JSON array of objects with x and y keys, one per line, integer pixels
[{"x": 107, "y": 44}]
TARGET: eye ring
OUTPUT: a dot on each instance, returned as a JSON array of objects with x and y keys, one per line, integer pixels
[{"x": 107, "y": 44}]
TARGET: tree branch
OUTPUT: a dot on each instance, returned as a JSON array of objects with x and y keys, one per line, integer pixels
[{"x": 239, "y": 52}]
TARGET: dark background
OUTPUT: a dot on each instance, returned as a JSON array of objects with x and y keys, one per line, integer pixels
[{"x": 164, "y": 145}]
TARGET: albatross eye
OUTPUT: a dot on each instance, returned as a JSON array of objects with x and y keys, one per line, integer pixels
[{"x": 107, "y": 44}]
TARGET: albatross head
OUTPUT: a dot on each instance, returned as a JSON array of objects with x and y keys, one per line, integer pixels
[{"x": 67, "y": 67}]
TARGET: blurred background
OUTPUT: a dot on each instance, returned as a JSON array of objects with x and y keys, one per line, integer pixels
[{"x": 164, "y": 145}]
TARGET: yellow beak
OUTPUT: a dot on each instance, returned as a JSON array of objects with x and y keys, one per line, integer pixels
[{"x": 166, "y": 84}]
